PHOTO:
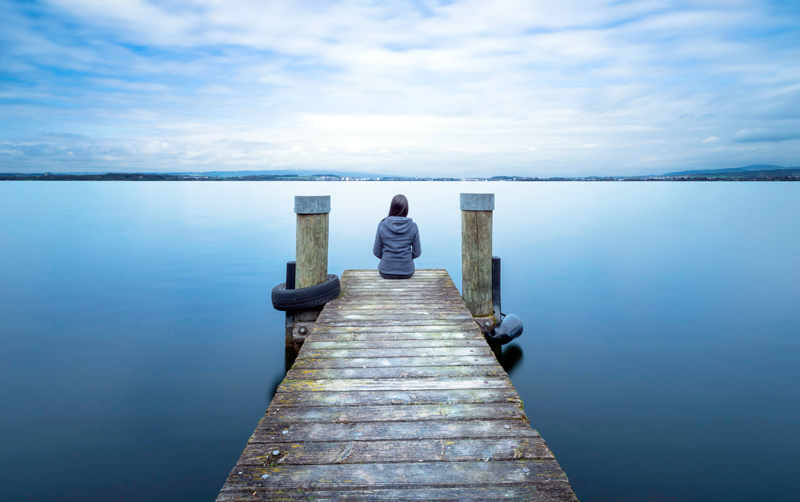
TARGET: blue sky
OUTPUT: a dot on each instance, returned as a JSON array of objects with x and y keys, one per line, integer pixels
[{"x": 407, "y": 87}]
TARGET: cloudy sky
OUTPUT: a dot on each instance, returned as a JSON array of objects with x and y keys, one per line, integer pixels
[{"x": 418, "y": 87}]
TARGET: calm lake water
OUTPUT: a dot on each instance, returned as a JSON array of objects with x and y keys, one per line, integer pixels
[{"x": 660, "y": 359}]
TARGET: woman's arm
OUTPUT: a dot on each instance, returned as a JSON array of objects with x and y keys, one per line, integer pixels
[
  {"x": 377, "y": 248},
  {"x": 416, "y": 247}
]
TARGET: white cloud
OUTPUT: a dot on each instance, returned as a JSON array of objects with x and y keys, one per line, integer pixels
[
  {"x": 459, "y": 87},
  {"x": 760, "y": 134}
]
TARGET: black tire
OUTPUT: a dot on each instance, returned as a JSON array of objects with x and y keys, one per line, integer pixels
[{"x": 303, "y": 298}]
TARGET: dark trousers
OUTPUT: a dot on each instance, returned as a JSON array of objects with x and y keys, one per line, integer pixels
[{"x": 395, "y": 276}]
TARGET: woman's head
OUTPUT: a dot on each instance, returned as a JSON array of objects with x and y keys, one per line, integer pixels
[{"x": 399, "y": 206}]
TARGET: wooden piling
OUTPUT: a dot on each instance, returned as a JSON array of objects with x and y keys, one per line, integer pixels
[
  {"x": 476, "y": 252},
  {"x": 311, "y": 252},
  {"x": 311, "y": 255}
]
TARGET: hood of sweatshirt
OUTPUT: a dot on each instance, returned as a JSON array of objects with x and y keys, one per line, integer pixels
[{"x": 398, "y": 224}]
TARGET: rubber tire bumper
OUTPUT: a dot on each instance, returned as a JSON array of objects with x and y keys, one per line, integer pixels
[{"x": 304, "y": 298}]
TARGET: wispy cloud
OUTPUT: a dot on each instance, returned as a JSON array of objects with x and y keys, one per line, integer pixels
[
  {"x": 765, "y": 135},
  {"x": 398, "y": 87}
]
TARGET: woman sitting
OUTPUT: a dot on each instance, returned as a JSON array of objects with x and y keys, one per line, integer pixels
[{"x": 397, "y": 242}]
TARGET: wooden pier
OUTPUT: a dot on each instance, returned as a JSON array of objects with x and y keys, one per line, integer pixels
[{"x": 395, "y": 395}]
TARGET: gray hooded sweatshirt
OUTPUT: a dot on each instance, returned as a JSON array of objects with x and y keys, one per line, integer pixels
[{"x": 397, "y": 244}]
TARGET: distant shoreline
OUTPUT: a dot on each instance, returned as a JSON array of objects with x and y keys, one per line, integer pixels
[{"x": 771, "y": 175}]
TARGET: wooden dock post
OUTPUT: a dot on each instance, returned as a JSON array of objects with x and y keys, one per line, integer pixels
[
  {"x": 476, "y": 255},
  {"x": 311, "y": 256}
]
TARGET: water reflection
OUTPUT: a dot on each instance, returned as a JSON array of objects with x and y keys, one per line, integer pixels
[
  {"x": 510, "y": 358},
  {"x": 666, "y": 323},
  {"x": 288, "y": 360},
  {"x": 289, "y": 357}
]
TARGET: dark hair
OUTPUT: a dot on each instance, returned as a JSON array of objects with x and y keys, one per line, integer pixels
[{"x": 399, "y": 206}]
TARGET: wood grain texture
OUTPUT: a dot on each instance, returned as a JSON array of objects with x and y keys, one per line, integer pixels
[
  {"x": 400, "y": 397},
  {"x": 476, "y": 261},
  {"x": 485, "y": 493},
  {"x": 427, "y": 450},
  {"x": 396, "y": 395},
  {"x": 311, "y": 253},
  {"x": 398, "y": 372},
  {"x": 391, "y": 344},
  {"x": 395, "y": 475},
  {"x": 390, "y": 413}
]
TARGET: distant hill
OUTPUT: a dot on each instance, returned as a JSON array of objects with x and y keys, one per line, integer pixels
[
  {"x": 757, "y": 167},
  {"x": 280, "y": 172}
]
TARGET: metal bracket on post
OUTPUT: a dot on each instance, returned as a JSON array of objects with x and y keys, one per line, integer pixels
[
  {"x": 496, "y": 289},
  {"x": 496, "y": 347},
  {"x": 290, "y": 271}
]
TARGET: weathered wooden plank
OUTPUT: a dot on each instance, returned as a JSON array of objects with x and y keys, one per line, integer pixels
[
  {"x": 427, "y": 450},
  {"x": 370, "y": 276},
  {"x": 393, "y": 413},
  {"x": 409, "y": 384},
  {"x": 377, "y": 281},
  {"x": 384, "y": 308},
  {"x": 431, "y": 310},
  {"x": 419, "y": 291},
  {"x": 401, "y": 474},
  {"x": 386, "y": 362},
  {"x": 443, "y": 293},
  {"x": 436, "y": 294},
  {"x": 368, "y": 280},
  {"x": 268, "y": 431},
  {"x": 390, "y": 316},
  {"x": 388, "y": 353},
  {"x": 317, "y": 343},
  {"x": 390, "y": 284},
  {"x": 431, "y": 307},
  {"x": 365, "y": 336},
  {"x": 364, "y": 280},
  {"x": 402, "y": 397},
  {"x": 394, "y": 286},
  {"x": 377, "y": 297},
  {"x": 486, "y": 493},
  {"x": 371, "y": 272},
  {"x": 443, "y": 323},
  {"x": 397, "y": 372},
  {"x": 373, "y": 275},
  {"x": 411, "y": 301},
  {"x": 470, "y": 327}
]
